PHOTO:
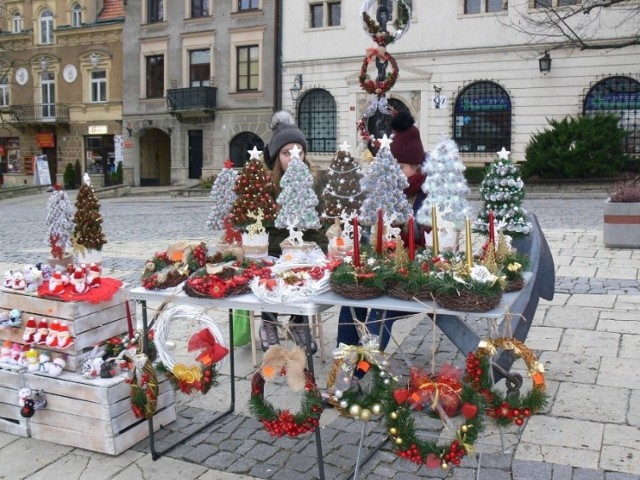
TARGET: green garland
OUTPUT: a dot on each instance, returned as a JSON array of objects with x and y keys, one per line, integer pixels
[
  {"x": 283, "y": 422},
  {"x": 386, "y": 38}
]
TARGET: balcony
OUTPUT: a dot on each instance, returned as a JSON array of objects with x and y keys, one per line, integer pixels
[
  {"x": 192, "y": 102},
  {"x": 39, "y": 114}
]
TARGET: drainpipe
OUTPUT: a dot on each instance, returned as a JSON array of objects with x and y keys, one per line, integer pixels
[{"x": 277, "y": 64}]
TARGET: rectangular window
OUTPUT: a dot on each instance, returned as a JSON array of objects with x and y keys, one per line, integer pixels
[
  {"x": 4, "y": 92},
  {"x": 248, "y": 5},
  {"x": 17, "y": 23},
  {"x": 248, "y": 68},
  {"x": 495, "y": 5},
  {"x": 316, "y": 15},
  {"x": 199, "y": 8},
  {"x": 542, "y": 4},
  {"x": 199, "y": 68},
  {"x": 333, "y": 17},
  {"x": 155, "y": 76},
  {"x": 76, "y": 17},
  {"x": 565, "y": 3},
  {"x": 154, "y": 11},
  {"x": 99, "y": 86},
  {"x": 46, "y": 30},
  {"x": 472, "y": 6}
]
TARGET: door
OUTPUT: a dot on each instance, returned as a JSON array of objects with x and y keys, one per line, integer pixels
[
  {"x": 48, "y": 92},
  {"x": 195, "y": 154},
  {"x": 52, "y": 160}
]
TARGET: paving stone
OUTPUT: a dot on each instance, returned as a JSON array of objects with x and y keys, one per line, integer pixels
[{"x": 523, "y": 470}]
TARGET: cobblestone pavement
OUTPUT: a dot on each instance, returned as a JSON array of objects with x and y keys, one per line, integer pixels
[{"x": 587, "y": 337}]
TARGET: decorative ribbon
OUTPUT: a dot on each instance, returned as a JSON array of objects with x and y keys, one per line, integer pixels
[
  {"x": 428, "y": 390},
  {"x": 212, "y": 351},
  {"x": 377, "y": 51},
  {"x": 377, "y": 102},
  {"x": 277, "y": 360}
]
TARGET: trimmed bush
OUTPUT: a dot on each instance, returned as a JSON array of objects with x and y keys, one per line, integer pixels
[
  {"x": 577, "y": 147},
  {"x": 69, "y": 177}
]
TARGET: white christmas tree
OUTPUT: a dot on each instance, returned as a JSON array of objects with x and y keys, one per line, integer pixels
[
  {"x": 59, "y": 221},
  {"x": 383, "y": 184},
  {"x": 445, "y": 186},
  {"x": 502, "y": 192},
  {"x": 223, "y": 196},
  {"x": 342, "y": 192},
  {"x": 297, "y": 200}
]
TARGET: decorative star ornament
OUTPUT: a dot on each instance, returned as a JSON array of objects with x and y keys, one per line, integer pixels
[
  {"x": 295, "y": 151},
  {"x": 228, "y": 163},
  {"x": 255, "y": 153},
  {"x": 344, "y": 147},
  {"x": 385, "y": 142},
  {"x": 503, "y": 154}
]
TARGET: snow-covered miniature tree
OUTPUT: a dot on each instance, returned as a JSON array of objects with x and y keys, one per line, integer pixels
[
  {"x": 223, "y": 196},
  {"x": 88, "y": 220},
  {"x": 297, "y": 200},
  {"x": 502, "y": 191},
  {"x": 383, "y": 184},
  {"x": 255, "y": 190},
  {"x": 59, "y": 221},
  {"x": 445, "y": 185},
  {"x": 342, "y": 192}
]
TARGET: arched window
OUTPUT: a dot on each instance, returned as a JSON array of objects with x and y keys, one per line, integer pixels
[
  {"x": 240, "y": 146},
  {"x": 317, "y": 120},
  {"x": 76, "y": 15},
  {"x": 482, "y": 118},
  {"x": 621, "y": 96},
  {"x": 17, "y": 23},
  {"x": 378, "y": 124},
  {"x": 46, "y": 27}
]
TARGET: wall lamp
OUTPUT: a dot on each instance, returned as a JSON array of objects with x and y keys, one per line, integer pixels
[
  {"x": 296, "y": 87},
  {"x": 544, "y": 63}
]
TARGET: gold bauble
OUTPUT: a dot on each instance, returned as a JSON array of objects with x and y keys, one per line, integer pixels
[
  {"x": 464, "y": 428},
  {"x": 398, "y": 441},
  {"x": 394, "y": 415},
  {"x": 445, "y": 466},
  {"x": 355, "y": 410},
  {"x": 393, "y": 431},
  {"x": 376, "y": 409},
  {"x": 365, "y": 415}
]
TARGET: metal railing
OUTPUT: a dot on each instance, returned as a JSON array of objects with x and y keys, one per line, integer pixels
[
  {"x": 194, "y": 99},
  {"x": 40, "y": 113}
]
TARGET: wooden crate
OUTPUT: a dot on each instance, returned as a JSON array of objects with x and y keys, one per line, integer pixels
[
  {"x": 94, "y": 414},
  {"x": 10, "y": 419},
  {"x": 89, "y": 324}
]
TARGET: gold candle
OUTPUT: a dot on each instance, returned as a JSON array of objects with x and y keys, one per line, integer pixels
[
  {"x": 469, "y": 249},
  {"x": 434, "y": 230}
]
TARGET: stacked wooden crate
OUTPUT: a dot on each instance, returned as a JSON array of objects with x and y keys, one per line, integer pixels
[{"x": 94, "y": 414}]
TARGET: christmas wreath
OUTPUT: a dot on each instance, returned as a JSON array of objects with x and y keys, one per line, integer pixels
[
  {"x": 224, "y": 280},
  {"x": 209, "y": 341},
  {"x": 278, "y": 361},
  {"x": 378, "y": 87},
  {"x": 366, "y": 280},
  {"x": 506, "y": 409},
  {"x": 400, "y": 403},
  {"x": 380, "y": 36},
  {"x": 362, "y": 358},
  {"x": 144, "y": 384},
  {"x": 289, "y": 282},
  {"x": 171, "y": 267}
]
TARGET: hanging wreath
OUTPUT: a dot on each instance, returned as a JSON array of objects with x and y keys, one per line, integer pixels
[
  {"x": 209, "y": 342},
  {"x": 506, "y": 409},
  {"x": 407, "y": 444},
  {"x": 278, "y": 361},
  {"x": 378, "y": 87},
  {"x": 373, "y": 29},
  {"x": 144, "y": 385}
]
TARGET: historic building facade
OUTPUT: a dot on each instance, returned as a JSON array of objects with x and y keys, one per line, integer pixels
[
  {"x": 60, "y": 87},
  {"x": 198, "y": 85},
  {"x": 461, "y": 71}
]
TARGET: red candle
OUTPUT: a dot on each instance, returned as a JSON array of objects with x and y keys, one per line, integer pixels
[
  {"x": 129, "y": 322},
  {"x": 356, "y": 243},
  {"x": 379, "y": 232},
  {"x": 492, "y": 232},
  {"x": 412, "y": 245}
]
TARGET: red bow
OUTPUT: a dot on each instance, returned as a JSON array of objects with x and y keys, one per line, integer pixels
[
  {"x": 444, "y": 389},
  {"x": 212, "y": 351}
]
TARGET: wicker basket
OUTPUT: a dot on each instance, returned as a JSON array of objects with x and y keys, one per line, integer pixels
[
  {"x": 355, "y": 292},
  {"x": 467, "y": 301},
  {"x": 401, "y": 292},
  {"x": 173, "y": 279},
  {"x": 514, "y": 285}
]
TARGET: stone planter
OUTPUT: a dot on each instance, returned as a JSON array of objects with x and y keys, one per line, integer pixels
[{"x": 621, "y": 227}]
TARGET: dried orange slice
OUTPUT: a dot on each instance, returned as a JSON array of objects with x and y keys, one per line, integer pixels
[
  {"x": 196, "y": 372},
  {"x": 179, "y": 370}
]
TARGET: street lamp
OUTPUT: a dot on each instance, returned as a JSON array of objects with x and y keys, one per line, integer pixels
[
  {"x": 544, "y": 63},
  {"x": 296, "y": 87}
]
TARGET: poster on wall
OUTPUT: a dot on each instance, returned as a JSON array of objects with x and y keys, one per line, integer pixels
[{"x": 118, "y": 141}]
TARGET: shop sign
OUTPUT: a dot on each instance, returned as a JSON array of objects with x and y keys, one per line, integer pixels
[
  {"x": 128, "y": 144},
  {"x": 45, "y": 140},
  {"x": 98, "y": 129}
]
